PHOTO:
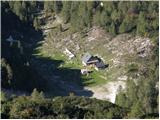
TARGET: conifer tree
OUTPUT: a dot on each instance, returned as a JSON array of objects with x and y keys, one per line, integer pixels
[
  {"x": 141, "y": 24},
  {"x": 137, "y": 110},
  {"x": 66, "y": 11},
  {"x": 36, "y": 96},
  {"x": 36, "y": 23},
  {"x": 112, "y": 29}
]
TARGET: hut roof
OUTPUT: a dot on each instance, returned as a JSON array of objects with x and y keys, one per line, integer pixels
[
  {"x": 100, "y": 64},
  {"x": 86, "y": 57}
]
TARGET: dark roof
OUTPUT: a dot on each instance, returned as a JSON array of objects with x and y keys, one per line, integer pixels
[
  {"x": 100, "y": 64},
  {"x": 86, "y": 57}
]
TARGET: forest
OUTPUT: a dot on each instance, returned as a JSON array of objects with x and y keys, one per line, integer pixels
[{"x": 138, "y": 18}]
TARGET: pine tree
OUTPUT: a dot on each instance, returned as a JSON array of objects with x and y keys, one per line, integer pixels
[
  {"x": 7, "y": 74},
  {"x": 137, "y": 110},
  {"x": 97, "y": 18},
  {"x": 36, "y": 96},
  {"x": 109, "y": 6},
  {"x": 57, "y": 6},
  {"x": 75, "y": 19},
  {"x": 150, "y": 99},
  {"x": 112, "y": 29},
  {"x": 131, "y": 92},
  {"x": 141, "y": 24},
  {"x": 83, "y": 14},
  {"x": 127, "y": 25},
  {"x": 3, "y": 96},
  {"x": 66, "y": 11},
  {"x": 36, "y": 23},
  {"x": 121, "y": 99},
  {"x": 17, "y": 8},
  {"x": 49, "y": 6}
]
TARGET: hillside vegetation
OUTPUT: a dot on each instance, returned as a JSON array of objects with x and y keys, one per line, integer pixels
[
  {"x": 36, "y": 106},
  {"x": 123, "y": 34}
]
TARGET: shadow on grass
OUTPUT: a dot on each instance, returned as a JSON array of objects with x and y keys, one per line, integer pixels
[
  {"x": 59, "y": 81},
  {"x": 30, "y": 71}
]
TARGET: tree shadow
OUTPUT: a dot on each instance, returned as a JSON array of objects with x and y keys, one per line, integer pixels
[
  {"x": 31, "y": 71},
  {"x": 150, "y": 116},
  {"x": 59, "y": 81}
]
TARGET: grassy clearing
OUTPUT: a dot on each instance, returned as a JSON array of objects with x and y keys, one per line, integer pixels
[
  {"x": 50, "y": 49},
  {"x": 93, "y": 79}
]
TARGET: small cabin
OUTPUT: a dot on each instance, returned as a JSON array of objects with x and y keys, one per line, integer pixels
[
  {"x": 95, "y": 61},
  {"x": 88, "y": 59}
]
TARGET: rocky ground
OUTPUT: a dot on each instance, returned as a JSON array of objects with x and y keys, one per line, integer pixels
[{"x": 107, "y": 91}]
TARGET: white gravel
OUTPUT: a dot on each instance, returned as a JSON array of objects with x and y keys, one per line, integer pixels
[{"x": 107, "y": 91}]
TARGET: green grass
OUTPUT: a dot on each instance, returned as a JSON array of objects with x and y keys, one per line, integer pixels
[
  {"x": 96, "y": 77},
  {"x": 93, "y": 79}
]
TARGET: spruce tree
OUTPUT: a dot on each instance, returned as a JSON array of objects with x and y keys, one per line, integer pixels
[
  {"x": 137, "y": 110},
  {"x": 37, "y": 96},
  {"x": 66, "y": 11},
  {"x": 36, "y": 23},
  {"x": 141, "y": 24},
  {"x": 112, "y": 29}
]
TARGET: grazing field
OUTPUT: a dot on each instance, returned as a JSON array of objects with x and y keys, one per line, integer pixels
[{"x": 92, "y": 79}]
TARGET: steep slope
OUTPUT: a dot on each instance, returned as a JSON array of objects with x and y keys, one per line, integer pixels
[{"x": 71, "y": 107}]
